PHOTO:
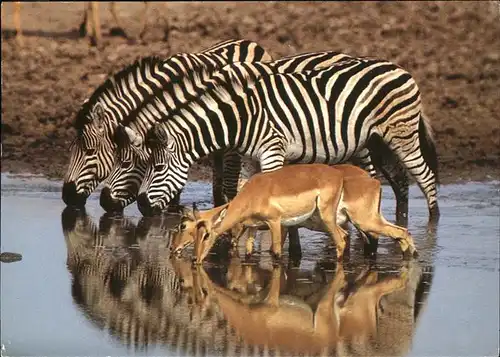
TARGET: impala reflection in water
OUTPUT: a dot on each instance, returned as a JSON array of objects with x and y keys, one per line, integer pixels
[{"x": 124, "y": 282}]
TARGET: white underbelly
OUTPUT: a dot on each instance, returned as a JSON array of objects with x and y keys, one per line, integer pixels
[
  {"x": 293, "y": 221},
  {"x": 310, "y": 220}
]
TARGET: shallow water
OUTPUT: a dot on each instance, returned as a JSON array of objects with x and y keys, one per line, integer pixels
[{"x": 88, "y": 284}]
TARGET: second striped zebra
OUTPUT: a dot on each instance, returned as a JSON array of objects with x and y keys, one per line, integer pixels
[{"x": 325, "y": 116}]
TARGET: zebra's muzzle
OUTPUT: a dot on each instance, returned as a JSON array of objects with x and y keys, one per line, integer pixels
[
  {"x": 108, "y": 203},
  {"x": 70, "y": 216},
  {"x": 71, "y": 197},
  {"x": 145, "y": 206}
]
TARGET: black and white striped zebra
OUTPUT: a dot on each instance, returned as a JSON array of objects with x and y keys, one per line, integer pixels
[
  {"x": 122, "y": 185},
  {"x": 93, "y": 151},
  {"x": 326, "y": 116}
]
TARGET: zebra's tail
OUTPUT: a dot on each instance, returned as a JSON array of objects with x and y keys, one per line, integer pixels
[{"x": 428, "y": 145}]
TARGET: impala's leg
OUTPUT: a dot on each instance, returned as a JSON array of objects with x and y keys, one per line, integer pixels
[
  {"x": 327, "y": 307},
  {"x": 371, "y": 221},
  {"x": 275, "y": 228},
  {"x": 249, "y": 245},
  {"x": 329, "y": 218},
  {"x": 272, "y": 297},
  {"x": 144, "y": 19}
]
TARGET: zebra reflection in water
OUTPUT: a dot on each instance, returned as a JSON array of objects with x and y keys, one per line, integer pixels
[{"x": 124, "y": 282}]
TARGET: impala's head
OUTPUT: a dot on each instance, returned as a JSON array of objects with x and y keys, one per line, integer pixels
[
  {"x": 166, "y": 173},
  {"x": 91, "y": 155},
  {"x": 183, "y": 234},
  {"x": 205, "y": 235},
  {"x": 122, "y": 185}
]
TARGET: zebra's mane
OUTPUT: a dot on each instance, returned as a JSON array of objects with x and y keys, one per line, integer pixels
[
  {"x": 192, "y": 78},
  {"x": 112, "y": 83}
]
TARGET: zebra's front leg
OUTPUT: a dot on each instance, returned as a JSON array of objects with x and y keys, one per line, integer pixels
[
  {"x": 218, "y": 178},
  {"x": 232, "y": 164}
]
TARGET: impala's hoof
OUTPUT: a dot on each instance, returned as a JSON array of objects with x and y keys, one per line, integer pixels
[{"x": 275, "y": 256}]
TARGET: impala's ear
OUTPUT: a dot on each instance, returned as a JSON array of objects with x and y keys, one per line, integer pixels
[
  {"x": 217, "y": 219},
  {"x": 133, "y": 137},
  {"x": 187, "y": 213},
  {"x": 196, "y": 212}
]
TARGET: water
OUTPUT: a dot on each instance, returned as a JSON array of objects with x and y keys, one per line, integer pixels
[{"x": 93, "y": 285}]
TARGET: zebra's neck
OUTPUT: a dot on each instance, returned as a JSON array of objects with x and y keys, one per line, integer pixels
[{"x": 225, "y": 117}]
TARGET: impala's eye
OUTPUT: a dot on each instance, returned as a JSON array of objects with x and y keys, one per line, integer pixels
[
  {"x": 90, "y": 152},
  {"x": 183, "y": 226},
  {"x": 160, "y": 167},
  {"x": 205, "y": 236},
  {"x": 126, "y": 164}
]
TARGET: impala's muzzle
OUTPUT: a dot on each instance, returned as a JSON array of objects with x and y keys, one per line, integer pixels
[
  {"x": 108, "y": 203},
  {"x": 145, "y": 206},
  {"x": 71, "y": 197}
]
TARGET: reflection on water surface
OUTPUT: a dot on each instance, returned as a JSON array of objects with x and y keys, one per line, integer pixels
[
  {"x": 105, "y": 285},
  {"x": 125, "y": 283}
]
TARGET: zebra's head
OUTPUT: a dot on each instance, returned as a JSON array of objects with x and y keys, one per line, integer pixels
[
  {"x": 166, "y": 173},
  {"x": 91, "y": 154},
  {"x": 122, "y": 185}
]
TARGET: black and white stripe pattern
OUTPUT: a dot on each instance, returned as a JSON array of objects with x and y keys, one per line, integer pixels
[
  {"x": 116, "y": 101},
  {"x": 123, "y": 183},
  {"x": 326, "y": 116}
]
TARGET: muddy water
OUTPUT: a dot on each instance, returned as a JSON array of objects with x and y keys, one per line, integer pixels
[{"x": 89, "y": 284}]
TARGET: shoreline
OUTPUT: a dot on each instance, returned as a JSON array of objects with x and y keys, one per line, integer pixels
[{"x": 202, "y": 172}]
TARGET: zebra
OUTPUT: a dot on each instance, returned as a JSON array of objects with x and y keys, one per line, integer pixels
[
  {"x": 123, "y": 183},
  {"x": 325, "y": 116},
  {"x": 92, "y": 152},
  {"x": 120, "y": 188}
]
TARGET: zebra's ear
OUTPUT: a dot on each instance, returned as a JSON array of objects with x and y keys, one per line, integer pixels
[
  {"x": 133, "y": 137},
  {"x": 161, "y": 134}
]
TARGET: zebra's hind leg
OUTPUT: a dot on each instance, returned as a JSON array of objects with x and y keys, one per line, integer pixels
[
  {"x": 378, "y": 155},
  {"x": 384, "y": 160},
  {"x": 417, "y": 153}
]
